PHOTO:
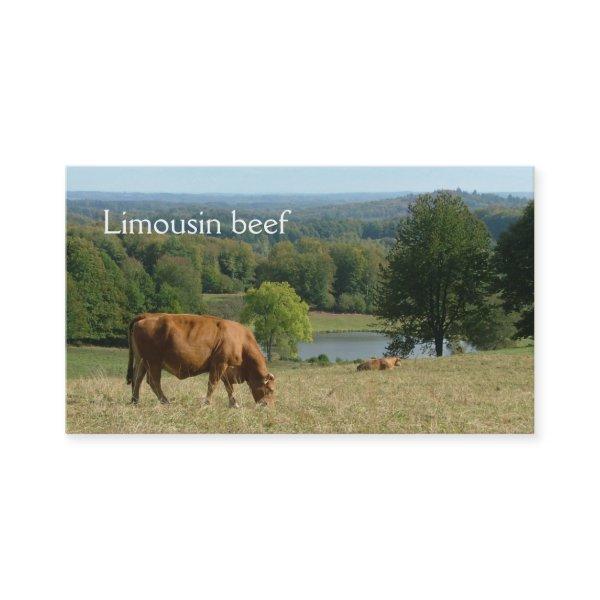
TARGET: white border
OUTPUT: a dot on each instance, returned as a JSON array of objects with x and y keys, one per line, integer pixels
[{"x": 300, "y": 83}]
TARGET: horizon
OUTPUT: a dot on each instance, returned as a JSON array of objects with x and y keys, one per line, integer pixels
[
  {"x": 253, "y": 181},
  {"x": 516, "y": 193}
]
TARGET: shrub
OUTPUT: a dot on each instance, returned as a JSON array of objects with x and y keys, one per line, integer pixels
[
  {"x": 491, "y": 328},
  {"x": 329, "y": 303},
  {"x": 351, "y": 303},
  {"x": 322, "y": 360}
]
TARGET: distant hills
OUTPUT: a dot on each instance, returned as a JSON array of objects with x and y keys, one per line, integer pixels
[
  {"x": 473, "y": 199},
  {"x": 398, "y": 206}
]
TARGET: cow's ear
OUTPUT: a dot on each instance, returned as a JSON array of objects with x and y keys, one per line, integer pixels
[{"x": 269, "y": 377}]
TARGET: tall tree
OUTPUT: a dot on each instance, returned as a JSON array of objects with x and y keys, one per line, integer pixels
[
  {"x": 280, "y": 264},
  {"x": 183, "y": 282},
  {"x": 237, "y": 260},
  {"x": 513, "y": 259},
  {"x": 356, "y": 273},
  {"x": 99, "y": 284},
  {"x": 308, "y": 268},
  {"x": 78, "y": 327},
  {"x": 350, "y": 268},
  {"x": 314, "y": 277},
  {"x": 279, "y": 316},
  {"x": 438, "y": 273},
  {"x": 139, "y": 287}
]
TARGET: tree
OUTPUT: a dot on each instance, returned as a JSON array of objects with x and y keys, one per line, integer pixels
[
  {"x": 351, "y": 303},
  {"x": 307, "y": 268},
  {"x": 513, "y": 259},
  {"x": 375, "y": 258},
  {"x": 78, "y": 327},
  {"x": 237, "y": 260},
  {"x": 168, "y": 299},
  {"x": 279, "y": 316},
  {"x": 490, "y": 327},
  {"x": 184, "y": 284},
  {"x": 139, "y": 287},
  {"x": 99, "y": 283},
  {"x": 356, "y": 273},
  {"x": 314, "y": 277},
  {"x": 438, "y": 273},
  {"x": 350, "y": 268},
  {"x": 280, "y": 264}
]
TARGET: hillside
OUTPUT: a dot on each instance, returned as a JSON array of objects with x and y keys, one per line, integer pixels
[{"x": 397, "y": 206}]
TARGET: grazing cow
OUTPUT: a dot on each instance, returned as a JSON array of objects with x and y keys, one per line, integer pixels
[
  {"x": 379, "y": 364},
  {"x": 187, "y": 345}
]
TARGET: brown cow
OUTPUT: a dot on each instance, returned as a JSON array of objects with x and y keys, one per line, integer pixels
[
  {"x": 379, "y": 364},
  {"x": 187, "y": 345}
]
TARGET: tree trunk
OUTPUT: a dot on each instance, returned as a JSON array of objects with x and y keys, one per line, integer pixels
[{"x": 439, "y": 343}]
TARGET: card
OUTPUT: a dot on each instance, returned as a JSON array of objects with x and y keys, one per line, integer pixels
[{"x": 300, "y": 300}]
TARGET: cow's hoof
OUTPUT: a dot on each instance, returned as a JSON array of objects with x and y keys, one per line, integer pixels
[
  {"x": 205, "y": 402},
  {"x": 164, "y": 401},
  {"x": 234, "y": 404},
  {"x": 134, "y": 401}
]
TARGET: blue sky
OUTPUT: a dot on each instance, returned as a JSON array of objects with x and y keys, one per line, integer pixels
[{"x": 280, "y": 180}]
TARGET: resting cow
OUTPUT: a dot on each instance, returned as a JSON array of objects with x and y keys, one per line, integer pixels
[
  {"x": 379, "y": 364},
  {"x": 188, "y": 345}
]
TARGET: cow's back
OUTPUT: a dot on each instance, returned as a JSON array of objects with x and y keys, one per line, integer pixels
[{"x": 187, "y": 345}]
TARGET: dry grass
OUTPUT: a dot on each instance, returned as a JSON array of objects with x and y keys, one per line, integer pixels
[{"x": 481, "y": 393}]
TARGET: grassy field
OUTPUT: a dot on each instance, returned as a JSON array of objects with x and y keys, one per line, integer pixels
[
  {"x": 328, "y": 322},
  {"x": 524, "y": 346},
  {"x": 215, "y": 301},
  {"x": 472, "y": 393}
]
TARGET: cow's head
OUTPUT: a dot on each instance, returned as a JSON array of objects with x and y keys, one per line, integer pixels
[{"x": 263, "y": 390}]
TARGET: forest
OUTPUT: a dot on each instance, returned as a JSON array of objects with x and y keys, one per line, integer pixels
[{"x": 332, "y": 256}]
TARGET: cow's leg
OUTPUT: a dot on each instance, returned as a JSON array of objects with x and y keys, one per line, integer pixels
[
  {"x": 214, "y": 376},
  {"x": 139, "y": 370},
  {"x": 233, "y": 403},
  {"x": 154, "y": 373}
]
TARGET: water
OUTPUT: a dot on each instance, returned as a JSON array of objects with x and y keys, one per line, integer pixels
[{"x": 351, "y": 345}]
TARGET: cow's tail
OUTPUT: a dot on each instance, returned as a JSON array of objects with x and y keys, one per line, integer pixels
[{"x": 129, "y": 376}]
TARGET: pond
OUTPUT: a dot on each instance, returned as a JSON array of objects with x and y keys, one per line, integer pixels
[{"x": 350, "y": 345}]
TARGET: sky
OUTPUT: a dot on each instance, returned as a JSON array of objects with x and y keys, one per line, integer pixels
[{"x": 297, "y": 180}]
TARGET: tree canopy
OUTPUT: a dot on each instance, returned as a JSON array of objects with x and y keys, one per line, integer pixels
[
  {"x": 514, "y": 262},
  {"x": 333, "y": 262},
  {"x": 279, "y": 316},
  {"x": 437, "y": 274}
]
